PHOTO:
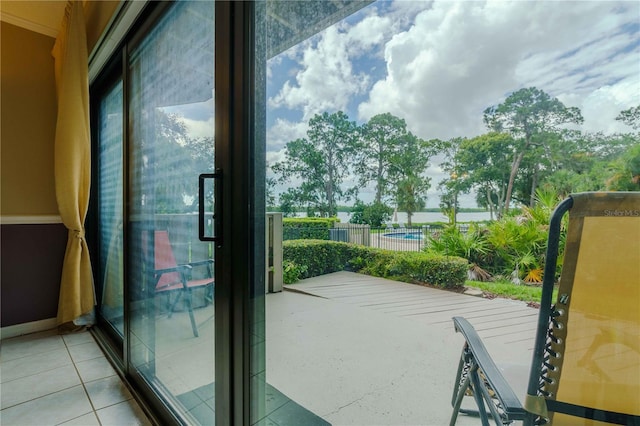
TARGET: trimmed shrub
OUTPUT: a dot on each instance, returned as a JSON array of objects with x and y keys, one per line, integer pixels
[
  {"x": 292, "y": 272},
  {"x": 441, "y": 271},
  {"x": 323, "y": 257},
  {"x": 307, "y": 228},
  {"x": 320, "y": 257}
]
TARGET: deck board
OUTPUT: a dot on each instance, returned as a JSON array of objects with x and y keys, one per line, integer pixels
[
  {"x": 384, "y": 352},
  {"x": 495, "y": 319}
]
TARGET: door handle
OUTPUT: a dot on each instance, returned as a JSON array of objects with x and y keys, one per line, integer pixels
[{"x": 217, "y": 207}]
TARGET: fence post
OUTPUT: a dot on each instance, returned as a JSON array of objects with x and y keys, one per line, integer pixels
[
  {"x": 366, "y": 236},
  {"x": 273, "y": 252}
]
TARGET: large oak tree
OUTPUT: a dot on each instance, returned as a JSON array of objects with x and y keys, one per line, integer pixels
[
  {"x": 320, "y": 162},
  {"x": 529, "y": 115}
]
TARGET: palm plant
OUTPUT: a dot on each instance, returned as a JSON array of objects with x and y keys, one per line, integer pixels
[
  {"x": 520, "y": 242},
  {"x": 471, "y": 245},
  {"x": 513, "y": 246},
  {"x": 519, "y": 246}
]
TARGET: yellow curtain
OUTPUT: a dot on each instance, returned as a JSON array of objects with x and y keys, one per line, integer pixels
[
  {"x": 113, "y": 274},
  {"x": 73, "y": 165}
]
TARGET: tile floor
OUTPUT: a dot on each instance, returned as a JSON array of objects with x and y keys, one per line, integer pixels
[{"x": 48, "y": 379}]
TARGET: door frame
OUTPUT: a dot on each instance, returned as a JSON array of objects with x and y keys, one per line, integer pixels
[
  {"x": 233, "y": 131},
  {"x": 239, "y": 261}
]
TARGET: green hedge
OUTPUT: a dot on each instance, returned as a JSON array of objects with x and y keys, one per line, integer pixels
[
  {"x": 307, "y": 228},
  {"x": 310, "y": 258},
  {"x": 320, "y": 257}
]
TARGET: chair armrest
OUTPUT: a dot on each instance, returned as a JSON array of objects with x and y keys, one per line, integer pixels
[
  {"x": 510, "y": 403},
  {"x": 179, "y": 268},
  {"x": 201, "y": 262}
]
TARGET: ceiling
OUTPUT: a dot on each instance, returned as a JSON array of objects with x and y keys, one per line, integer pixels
[{"x": 44, "y": 17}]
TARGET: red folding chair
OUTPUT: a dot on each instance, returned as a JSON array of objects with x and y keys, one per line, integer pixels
[{"x": 171, "y": 277}]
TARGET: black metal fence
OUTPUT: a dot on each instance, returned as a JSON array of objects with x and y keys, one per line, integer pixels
[
  {"x": 405, "y": 238},
  {"x": 183, "y": 231},
  {"x": 399, "y": 238}
]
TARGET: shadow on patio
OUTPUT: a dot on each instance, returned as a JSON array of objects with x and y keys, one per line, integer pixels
[{"x": 356, "y": 349}]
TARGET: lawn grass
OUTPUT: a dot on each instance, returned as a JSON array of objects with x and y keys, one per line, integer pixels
[{"x": 526, "y": 293}]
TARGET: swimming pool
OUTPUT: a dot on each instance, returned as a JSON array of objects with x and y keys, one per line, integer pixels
[{"x": 417, "y": 235}]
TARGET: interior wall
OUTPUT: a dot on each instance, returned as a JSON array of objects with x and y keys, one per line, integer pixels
[
  {"x": 28, "y": 117},
  {"x": 97, "y": 15},
  {"x": 32, "y": 251}
]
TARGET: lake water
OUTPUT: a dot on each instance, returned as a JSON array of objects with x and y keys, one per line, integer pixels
[{"x": 422, "y": 217}]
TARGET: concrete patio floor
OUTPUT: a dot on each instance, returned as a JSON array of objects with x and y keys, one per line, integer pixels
[{"x": 360, "y": 350}]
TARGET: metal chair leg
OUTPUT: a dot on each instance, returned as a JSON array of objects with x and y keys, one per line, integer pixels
[{"x": 191, "y": 316}]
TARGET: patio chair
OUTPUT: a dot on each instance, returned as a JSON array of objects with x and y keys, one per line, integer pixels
[
  {"x": 586, "y": 357},
  {"x": 173, "y": 278}
]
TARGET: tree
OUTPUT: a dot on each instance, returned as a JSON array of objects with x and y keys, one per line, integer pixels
[
  {"x": 374, "y": 214},
  {"x": 453, "y": 185},
  {"x": 269, "y": 195},
  {"x": 411, "y": 194},
  {"x": 589, "y": 162},
  {"x": 287, "y": 203},
  {"x": 630, "y": 117},
  {"x": 407, "y": 171},
  {"x": 170, "y": 164},
  {"x": 625, "y": 171},
  {"x": 201, "y": 153},
  {"x": 381, "y": 137},
  {"x": 529, "y": 115},
  {"x": 483, "y": 163},
  {"x": 540, "y": 161},
  {"x": 320, "y": 162}
]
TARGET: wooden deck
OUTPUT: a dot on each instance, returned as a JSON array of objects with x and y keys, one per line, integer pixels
[
  {"x": 502, "y": 320},
  {"x": 356, "y": 349}
]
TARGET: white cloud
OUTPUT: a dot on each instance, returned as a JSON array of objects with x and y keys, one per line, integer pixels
[
  {"x": 198, "y": 128},
  {"x": 601, "y": 107},
  {"x": 458, "y": 58},
  {"x": 274, "y": 157},
  {"x": 367, "y": 34},
  {"x": 284, "y": 131},
  {"x": 326, "y": 80}
]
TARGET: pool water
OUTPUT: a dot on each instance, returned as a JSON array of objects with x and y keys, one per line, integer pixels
[{"x": 405, "y": 235}]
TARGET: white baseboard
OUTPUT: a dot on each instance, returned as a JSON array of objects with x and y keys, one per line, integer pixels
[
  {"x": 30, "y": 220},
  {"x": 27, "y": 328}
]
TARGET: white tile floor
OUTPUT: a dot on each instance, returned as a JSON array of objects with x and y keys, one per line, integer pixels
[{"x": 48, "y": 379}]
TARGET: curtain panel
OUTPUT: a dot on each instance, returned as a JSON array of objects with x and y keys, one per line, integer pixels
[{"x": 72, "y": 160}]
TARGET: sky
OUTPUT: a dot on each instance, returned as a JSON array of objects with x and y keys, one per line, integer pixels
[{"x": 439, "y": 64}]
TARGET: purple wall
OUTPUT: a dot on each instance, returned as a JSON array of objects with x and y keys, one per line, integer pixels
[{"x": 30, "y": 271}]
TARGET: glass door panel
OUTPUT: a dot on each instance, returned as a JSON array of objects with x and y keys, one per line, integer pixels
[
  {"x": 110, "y": 211},
  {"x": 283, "y": 30},
  {"x": 170, "y": 272}
]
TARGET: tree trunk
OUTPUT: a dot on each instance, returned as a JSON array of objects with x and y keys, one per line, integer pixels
[
  {"x": 534, "y": 186},
  {"x": 490, "y": 204},
  {"x": 512, "y": 176},
  {"x": 380, "y": 181},
  {"x": 329, "y": 187}
]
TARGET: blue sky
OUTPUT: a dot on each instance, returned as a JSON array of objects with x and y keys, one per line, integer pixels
[{"x": 439, "y": 64}]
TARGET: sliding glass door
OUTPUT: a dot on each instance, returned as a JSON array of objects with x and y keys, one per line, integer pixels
[
  {"x": 171, "y": 272},
  {"x": 110, "y": 208},
  {"x": 178, "y": 212},
  {"x": 180, "y": 135}
]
